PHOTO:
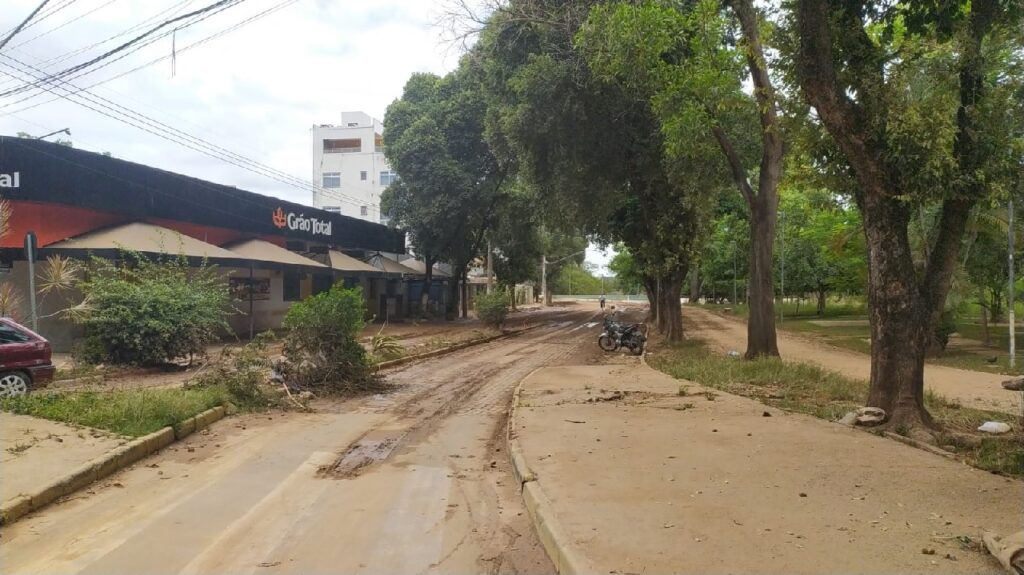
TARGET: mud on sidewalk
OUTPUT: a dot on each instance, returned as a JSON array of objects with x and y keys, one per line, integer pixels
[
  {"x": 642, "y": 479},
  {"x": 35, "y": 451}
]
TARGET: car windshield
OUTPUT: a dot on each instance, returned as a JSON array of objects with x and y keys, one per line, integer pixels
[{"x": 10, "y": 335}]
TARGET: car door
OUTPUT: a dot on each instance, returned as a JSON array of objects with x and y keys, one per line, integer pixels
[{"x": 17, "y": 348}]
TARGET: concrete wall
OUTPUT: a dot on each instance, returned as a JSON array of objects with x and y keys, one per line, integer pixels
[{"x": 59, "y": 331}]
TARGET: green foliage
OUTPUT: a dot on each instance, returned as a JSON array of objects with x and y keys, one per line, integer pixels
[
  {"x": 148, "y": 311},
  {"x": 132, "y": 412},
  {"x": 577, "y": 279},
  {"x": 321, "y": 346},
  {"x": 449, "y": 181},
  {"x": 492, "y": 308}
]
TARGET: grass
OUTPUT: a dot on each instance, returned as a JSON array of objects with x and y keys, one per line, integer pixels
[
  {"x": 131, "y": 412},
  {"x": 809, "y": 389},
  {"x": 857, "y": 337}
]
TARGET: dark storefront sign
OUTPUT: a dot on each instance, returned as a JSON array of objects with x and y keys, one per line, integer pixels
[{"x": 51, "y": 173}]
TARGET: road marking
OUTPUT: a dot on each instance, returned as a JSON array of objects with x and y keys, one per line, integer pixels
[
  {"x": 246, "y": 541},
  {"x": 587, "y": 325}
]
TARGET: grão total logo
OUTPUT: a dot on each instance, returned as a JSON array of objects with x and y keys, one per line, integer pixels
[
  {"x": 301, "y": 223},
  {"x": 10, "y": 180}
]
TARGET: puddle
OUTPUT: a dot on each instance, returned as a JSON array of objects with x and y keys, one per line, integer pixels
[{"x": 370, "y": 449}]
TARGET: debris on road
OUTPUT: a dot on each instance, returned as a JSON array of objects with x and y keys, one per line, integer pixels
[
  {"x": 1015, "y": 384},
  {"x": 994, "y": 427},
  {"x": 1008, "y": 550},
  {"x": 870, "y": 416}
]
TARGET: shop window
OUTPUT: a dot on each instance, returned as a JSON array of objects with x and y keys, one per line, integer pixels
[
  {"x": 292, "y": 286},
  {"x": 322, "y": 283}
]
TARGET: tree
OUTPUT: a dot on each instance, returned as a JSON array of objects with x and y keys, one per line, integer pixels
[
  {"x": 449, "y": 182},
  {"x": 596, "y": 160},
  {"x": 912, "y": 95},
  {"x": 694, "y": 77}
]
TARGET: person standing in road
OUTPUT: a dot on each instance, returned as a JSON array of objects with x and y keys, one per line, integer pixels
[{"x": 602, "y": 301}]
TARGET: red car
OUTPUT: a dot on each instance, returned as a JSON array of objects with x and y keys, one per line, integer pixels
[{"x": 24, "y": 359}]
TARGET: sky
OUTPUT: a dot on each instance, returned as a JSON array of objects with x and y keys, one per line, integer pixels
[{"x": 255, "y": 90}]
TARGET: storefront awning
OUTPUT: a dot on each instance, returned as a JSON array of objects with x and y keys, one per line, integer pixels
[
  {"x": 142, "y": 237},
  {"x": 390, "y": 266},
  {"x": 347, "y": 263},
  {"x": 421, "y": 268},
  {"x": 264, "y": 251}
]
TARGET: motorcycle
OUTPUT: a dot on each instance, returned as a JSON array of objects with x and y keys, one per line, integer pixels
[{"x": 617, "y": 335}]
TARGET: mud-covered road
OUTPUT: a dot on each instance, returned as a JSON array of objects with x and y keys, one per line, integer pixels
[{"x": 412, "y": 481}]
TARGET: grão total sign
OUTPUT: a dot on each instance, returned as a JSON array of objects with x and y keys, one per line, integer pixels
[
  {"x": 10, "y": 180},
  {"x": 301, "y": 223}
]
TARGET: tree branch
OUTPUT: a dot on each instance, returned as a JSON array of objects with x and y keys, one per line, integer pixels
[{"x": 739, "y": 174}]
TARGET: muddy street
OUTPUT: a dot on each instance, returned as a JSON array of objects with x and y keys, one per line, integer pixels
[{"x": 411, "y": 481}]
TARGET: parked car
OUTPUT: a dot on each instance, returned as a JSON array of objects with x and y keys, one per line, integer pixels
[{"x": 24, "y": 359}]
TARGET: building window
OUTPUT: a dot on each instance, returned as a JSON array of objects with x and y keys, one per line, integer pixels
[
  {"x": 343, "y": 146},
  {"x": 378, "y": 144},
  {"x": 292, "y": 286},
  {"x": 332, "y": 179},
  {"x": 332, "y": 209},
  {"x": 388, "y": 177},
  {"x": 364, "y": 211},
  {"x": 362, "y": 176}
]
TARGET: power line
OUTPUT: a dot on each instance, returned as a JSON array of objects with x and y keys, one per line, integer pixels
[
  {"x": 46, "y": 14},
  {"x": 211, "y": 9},
  {"x": 23, "y": 24},
  {"x": 72, "y": 20},
  {"x": 128, "y": 116},
  {"x": 197, "y": 43},
  {"x": 175, "y": 8}
]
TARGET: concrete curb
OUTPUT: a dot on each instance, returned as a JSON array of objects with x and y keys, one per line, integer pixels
[
  {"x": 557, "y": 544},
  {"x": 105, "y": 465},
  {"x": 446, "y": 350}
]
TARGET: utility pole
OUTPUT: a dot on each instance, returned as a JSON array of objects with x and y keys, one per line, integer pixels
[
  {"x": 1010, "y": 294},
  {"x": 490, "y": 268},
  {"x": 544, "y": 280},
  {"x": 735, "y": 301},
  {"x": 782, "y": 240}
]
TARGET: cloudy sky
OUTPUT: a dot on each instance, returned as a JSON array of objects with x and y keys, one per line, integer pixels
[{"x": 254, "y": 90}]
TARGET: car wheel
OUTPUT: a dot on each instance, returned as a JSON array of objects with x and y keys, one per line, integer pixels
[{"x": 13, "y": 383}]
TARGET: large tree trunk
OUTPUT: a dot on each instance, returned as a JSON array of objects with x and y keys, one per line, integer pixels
[
  {"x": 670, "y": 311},
  {"x": 986, "y": 338},
  {"x": 899, "y": 315},
  {"x": 465, "y": 295},
  {"x": 761, "y": 336},
  {"x": 651, "y": 289},
  {"x": 428, "y": 279},
  {"x": 822, "y": 299}
]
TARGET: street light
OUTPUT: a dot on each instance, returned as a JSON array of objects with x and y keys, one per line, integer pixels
[
  {"x": 544, "y": 274},
  {"x": 64, "y": 131}
]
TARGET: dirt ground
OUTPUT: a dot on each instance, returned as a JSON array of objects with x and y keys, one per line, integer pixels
[
  {"x": 646, "y": 481},
  {"x": 414, "y": 336},
  {"x": 970, "y": 388},
  {"x": 414, "y": 480},
  {"x": 35, "y": 451}
]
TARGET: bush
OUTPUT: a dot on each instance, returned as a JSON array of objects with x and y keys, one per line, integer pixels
[
  {"x": 321, "y": 345},
  {"x": 492, "y": 308},
  {"x": 147, "y": 312}
]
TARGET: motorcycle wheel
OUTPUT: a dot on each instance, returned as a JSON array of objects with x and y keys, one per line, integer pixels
[
  {"x": 637, "y": 348},
  {"x": 607, "y": 343}
]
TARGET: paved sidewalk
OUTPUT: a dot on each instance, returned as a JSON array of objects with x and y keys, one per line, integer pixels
[
  {"x": 643, "y": 480},
  {"x": 34, "y": 452}
]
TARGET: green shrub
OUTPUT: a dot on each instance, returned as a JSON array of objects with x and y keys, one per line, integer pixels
[
  {"x": 492, "y": 308},
  {"x": 321, "y": 344},
  {"x": 146, "y": 312}
]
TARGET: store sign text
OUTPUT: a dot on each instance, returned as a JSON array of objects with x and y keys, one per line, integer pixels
[
  {"x": 301, "y": 223},
  {"x": 10, "y": 180}
]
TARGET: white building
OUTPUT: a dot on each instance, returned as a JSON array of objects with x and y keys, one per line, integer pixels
[{"x": 349, "y": 167}]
